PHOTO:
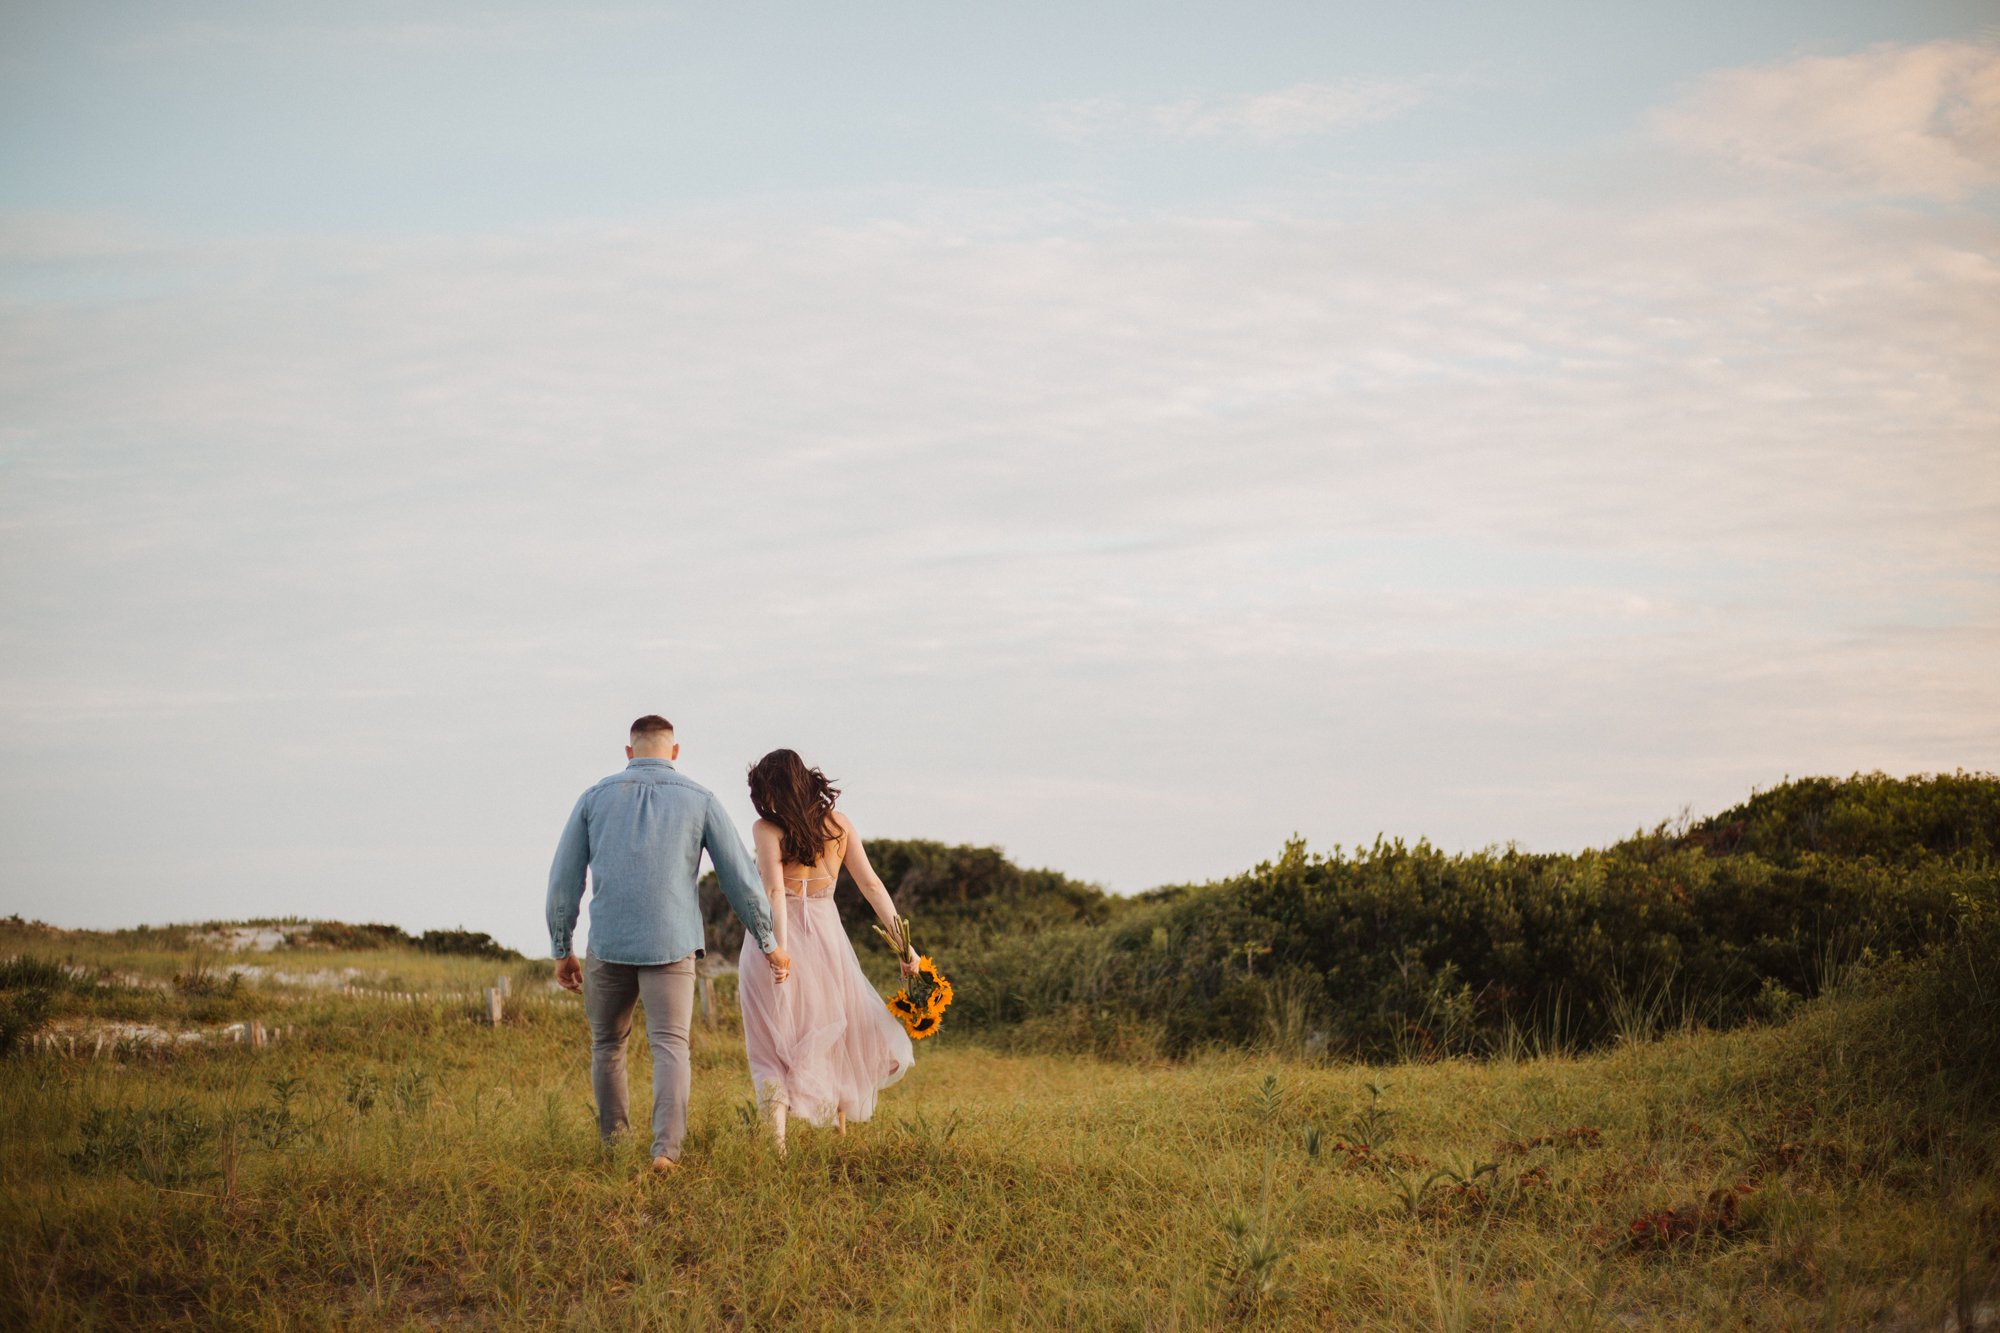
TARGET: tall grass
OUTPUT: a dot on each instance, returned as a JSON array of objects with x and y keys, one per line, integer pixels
[{"x": 405, "y": 1166}]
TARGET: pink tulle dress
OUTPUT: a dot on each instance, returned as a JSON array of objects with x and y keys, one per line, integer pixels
[{"x": 823, "y": 1041}]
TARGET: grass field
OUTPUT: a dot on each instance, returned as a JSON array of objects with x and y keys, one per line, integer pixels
[{"x": 400, "y": 1163}]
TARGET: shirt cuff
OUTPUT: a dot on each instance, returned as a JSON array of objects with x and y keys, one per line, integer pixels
[
  {"x": 559, "y": 949},
  {"x": 767, "y": 941}
]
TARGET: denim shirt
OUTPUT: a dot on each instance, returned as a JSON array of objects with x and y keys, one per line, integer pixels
[{"x": 642, "y": 833}]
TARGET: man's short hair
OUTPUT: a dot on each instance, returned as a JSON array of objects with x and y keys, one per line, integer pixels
[{"x": 651, "y": 723}]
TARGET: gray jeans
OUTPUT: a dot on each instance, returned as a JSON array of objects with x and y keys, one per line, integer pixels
[{"x": 667, "y": 991}]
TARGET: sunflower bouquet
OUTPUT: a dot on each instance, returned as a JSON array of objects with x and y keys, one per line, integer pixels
[{"x": 920, "y": 1005}]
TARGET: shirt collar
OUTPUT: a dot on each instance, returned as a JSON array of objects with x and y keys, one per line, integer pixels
[{"x": 647, "y": 760}]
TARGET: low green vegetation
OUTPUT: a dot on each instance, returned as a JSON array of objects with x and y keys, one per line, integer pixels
[
  {"x": 1076, "y": 1150},
  {"x": 403, "y": 1165},
  {"x": 1399, "y": 951},
  {"x": 963, "y": 898}
]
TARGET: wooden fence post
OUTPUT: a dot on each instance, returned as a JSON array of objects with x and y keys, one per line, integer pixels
[
  {"x": 496, "y": 1006},
  {"x": 506, "y": 985}
]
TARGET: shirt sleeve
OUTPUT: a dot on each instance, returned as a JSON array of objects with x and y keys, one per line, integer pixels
[
  {"x": 566, "y": 878},
  {"x": 738, "y": 875}
]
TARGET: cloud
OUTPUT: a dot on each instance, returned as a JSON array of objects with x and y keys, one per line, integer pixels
[
  {"x": 1919, "y": 121},
  {"x": 442, "y": 32},
  {"x": 1305, "y": 108},
  {"x": 1529, "y": 515},
  {"x": 51, "y": 235},
  {"x": 1300, "y": 110}
]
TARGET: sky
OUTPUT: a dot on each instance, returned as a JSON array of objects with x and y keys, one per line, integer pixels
[{"x": 1128, "y": 435}]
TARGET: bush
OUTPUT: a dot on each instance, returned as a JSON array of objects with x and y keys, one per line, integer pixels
[
  {"x": 957, "y": 898},
  {"x": 340, "y": 935},
  {"x": 23, "y": 1012},
  {"x": 1402, "y": 950},
  {"x": 29, "y": 987},
  {"x": 163, "y": 1145},
  {"x": 1900, "y": 820},
  {"x": 27, "y": 972},
  {"x": 466, "y": 943}
]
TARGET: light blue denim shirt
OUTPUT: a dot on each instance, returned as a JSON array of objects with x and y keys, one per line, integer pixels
[{"x": 642, "y": 832}]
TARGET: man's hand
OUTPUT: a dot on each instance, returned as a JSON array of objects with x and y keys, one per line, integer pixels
[
  {"x": 781, "y": 964},
  {"x": 569, "y": 973}
]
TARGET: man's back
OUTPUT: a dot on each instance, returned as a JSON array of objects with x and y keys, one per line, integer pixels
[{"x": 641, "y": 832}]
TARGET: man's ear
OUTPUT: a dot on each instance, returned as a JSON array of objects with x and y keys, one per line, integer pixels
[
  {"x": 628, "y": 752},
  {"x": 675, "y": 753}
]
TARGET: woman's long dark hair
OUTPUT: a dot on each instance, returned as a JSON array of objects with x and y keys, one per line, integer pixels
[{"x": 799, "y": 800}]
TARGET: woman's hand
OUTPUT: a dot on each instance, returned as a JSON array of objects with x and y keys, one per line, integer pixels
[{"x": 910, "y": 964}]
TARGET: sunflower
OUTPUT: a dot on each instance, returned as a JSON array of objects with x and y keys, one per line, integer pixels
[
  {"x": 939, "y": 999},
  {"x": 922, "y": 1013}
]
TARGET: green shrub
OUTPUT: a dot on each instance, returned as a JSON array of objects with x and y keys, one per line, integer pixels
[
  {"x": 24, "y": 1011},
  {"x": 1418, "y": 953},
  {"x": 340, "y": 935},
  {"x": 28, "y": 972},
  {"x": 163, "y": 1145},
  {"x": 1869, "y": 814},
  {"x": 465, "y": 943},
  {"x": 958, "y": 897}
]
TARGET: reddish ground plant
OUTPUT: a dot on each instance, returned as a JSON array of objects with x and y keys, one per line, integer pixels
[
  {"x": 1577, "y": 1136},
  {"x": 1717, "y": 1215}
]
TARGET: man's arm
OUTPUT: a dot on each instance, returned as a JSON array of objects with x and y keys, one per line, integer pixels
[
  {"x": 566, "y": 878},
  {"x": 738, "y": 875}
]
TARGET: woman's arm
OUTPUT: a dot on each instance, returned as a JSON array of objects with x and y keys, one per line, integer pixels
[
  {"x": 771, "y": 866},
  {"x": 871, "y": 885}
]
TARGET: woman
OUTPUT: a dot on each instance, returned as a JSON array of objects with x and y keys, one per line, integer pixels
[{"x": 823, "y": 1044}]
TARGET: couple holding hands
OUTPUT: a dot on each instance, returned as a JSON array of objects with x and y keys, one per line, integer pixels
[{"x": 820, "y": 1041}]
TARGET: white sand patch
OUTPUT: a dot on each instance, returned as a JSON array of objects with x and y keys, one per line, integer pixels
[{"x": 246, "y": 939}]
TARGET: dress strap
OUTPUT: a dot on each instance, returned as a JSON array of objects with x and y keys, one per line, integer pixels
[{"x": 829, "y": 880}]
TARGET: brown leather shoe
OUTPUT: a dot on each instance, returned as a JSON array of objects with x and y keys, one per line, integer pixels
[{"x": 665, "y": 1164}]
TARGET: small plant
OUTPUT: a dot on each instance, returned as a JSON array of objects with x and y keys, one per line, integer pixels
[
  {"x": 555, "y": 1124},
  {"x": 1247, "y": 1272},
  {"x": 1410, "y": 1188},
  {"x": 413, "y": 1091},
  {"x": 1716, "y": 1215},
  {"x": 27, "y": 972},
  {"x": 1374, "y": 1126},
  {"x": 277, "y": 1126},
  {"x": 916, "y": 1129},
  {"x": 362, "y": 1090},
  {"x": 23, "y": 1013},
  {"x": 1465, "y": 1187},
  {"x": 1269, "y": 1103},
  {"x": 1638, "y": 1013},
  {"x": 1576, "y": 1136},
  {"x": 157, "y": 1144},
  {"x": 201, "y": 978}
]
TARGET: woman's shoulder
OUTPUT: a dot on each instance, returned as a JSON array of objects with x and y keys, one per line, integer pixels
[{"x": 843, "y": 823}]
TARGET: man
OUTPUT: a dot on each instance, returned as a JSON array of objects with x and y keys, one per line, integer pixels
[{"x": 642, "y": 832}]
